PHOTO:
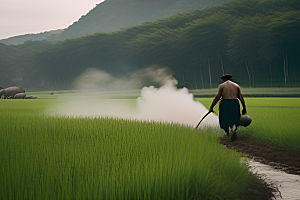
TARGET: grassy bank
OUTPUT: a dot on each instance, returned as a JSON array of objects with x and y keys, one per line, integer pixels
[
  {"x": 46, "y": 157},
  {"x": 274, "y": 120}
]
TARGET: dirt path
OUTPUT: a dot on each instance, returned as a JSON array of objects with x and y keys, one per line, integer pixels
[
  {"x": 278, "y": 158},
  {"x": 278, "y": 167}
]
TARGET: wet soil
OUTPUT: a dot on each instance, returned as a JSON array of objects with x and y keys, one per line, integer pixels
[{"x": 276, "y": 157}]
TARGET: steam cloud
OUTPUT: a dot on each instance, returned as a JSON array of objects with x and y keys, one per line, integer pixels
[{"x": 166, "y": 103}]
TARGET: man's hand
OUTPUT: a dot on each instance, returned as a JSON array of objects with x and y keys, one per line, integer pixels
[{"x": 244, "y": 111}]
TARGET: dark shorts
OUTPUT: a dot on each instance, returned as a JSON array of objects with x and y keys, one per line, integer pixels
[{"x": 229, "y": 113}]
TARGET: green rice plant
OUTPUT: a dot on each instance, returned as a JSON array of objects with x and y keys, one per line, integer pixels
[
  {"x": 48, "y": 157},
  {"x": 274, "y": 120}
]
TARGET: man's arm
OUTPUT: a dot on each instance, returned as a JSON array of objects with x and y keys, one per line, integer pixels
[
  {"x": 241, "y": 98},
  {"x": 216, "y": 99}
]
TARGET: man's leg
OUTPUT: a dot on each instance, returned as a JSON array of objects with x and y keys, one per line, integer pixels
[{"x": 232, "y": 133}]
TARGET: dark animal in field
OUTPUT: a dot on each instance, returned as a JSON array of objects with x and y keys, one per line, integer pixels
[
  {"x": 20, "y": 96},
  {"x": 51, "y": 93},
  {"x": 1, "y": 93},
  {"x": 10, "y": 92}
]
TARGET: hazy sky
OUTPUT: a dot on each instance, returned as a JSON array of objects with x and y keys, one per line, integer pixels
[{"x": 18, "y": 17}]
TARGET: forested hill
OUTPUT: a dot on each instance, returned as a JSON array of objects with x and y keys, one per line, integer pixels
[
  {"x": 112, "y": 15},
  {"x": 256, "y": 41},
  {"x": 20, "y": 39}
]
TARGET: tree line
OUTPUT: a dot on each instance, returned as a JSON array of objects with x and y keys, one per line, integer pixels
[{"x": 256, "y": 41}]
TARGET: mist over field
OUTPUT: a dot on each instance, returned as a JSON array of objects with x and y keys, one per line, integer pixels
[
  {"x": 99, "y": 80},
  {"x": 166, "y": 103}
]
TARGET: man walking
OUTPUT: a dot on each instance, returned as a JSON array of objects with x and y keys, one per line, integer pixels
[{"x": 229, "y": 109}]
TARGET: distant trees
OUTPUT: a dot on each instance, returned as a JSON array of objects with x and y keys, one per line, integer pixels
[
  {"x": 257, "y": 41},
  {"x": 7, "y": 55}
]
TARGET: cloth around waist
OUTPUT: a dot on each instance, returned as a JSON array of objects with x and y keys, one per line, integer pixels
[{"x": 229, "y": 101}]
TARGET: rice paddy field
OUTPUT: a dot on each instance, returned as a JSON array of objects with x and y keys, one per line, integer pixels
[
  {"x": 49, "y": 157},
  {"x": 274, "y": 120}
]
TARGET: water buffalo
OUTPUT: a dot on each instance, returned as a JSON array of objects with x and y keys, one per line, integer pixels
[
  {"x": 1, "y": 93},
  {"x": 11, "y": 92},
  {"x": 20, "y": 96}
]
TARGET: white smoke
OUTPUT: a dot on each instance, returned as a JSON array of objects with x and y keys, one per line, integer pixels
[
  {"x": 170, "y": 104},
  {"x": 166, "y": 103}
]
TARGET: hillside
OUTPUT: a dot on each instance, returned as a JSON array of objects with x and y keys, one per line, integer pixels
[
  {"x": 256, "y": 41},
  {"x": 20, "y": 39},
  {"x": 113, "y": 15}
]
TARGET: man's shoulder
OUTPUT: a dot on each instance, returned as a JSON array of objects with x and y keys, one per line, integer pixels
[
  {"x": 228, "y": 83},
  {"x": 221, "y": 85},
  {"x": 233, "y": 83},
  {"x": 236, "y": 84}
]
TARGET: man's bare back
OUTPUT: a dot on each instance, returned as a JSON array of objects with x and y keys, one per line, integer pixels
[{"x": 229, "y": 90}]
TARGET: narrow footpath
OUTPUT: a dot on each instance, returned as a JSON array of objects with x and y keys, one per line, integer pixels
[
  {"x": 279, "y": 168},
  {"x": 288, "y": 185}
]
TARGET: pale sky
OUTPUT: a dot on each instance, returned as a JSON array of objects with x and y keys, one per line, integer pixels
[{"x": 18, "y": 17}]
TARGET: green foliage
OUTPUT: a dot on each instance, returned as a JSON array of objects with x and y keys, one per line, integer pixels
[
  {"x": 7, "y": 56},
  {"x": 264, "y": 36},
  {"x": 256, "y": 41},
  {"x": 274, "y": 120},
  {"x": 44, "y": 157}
]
